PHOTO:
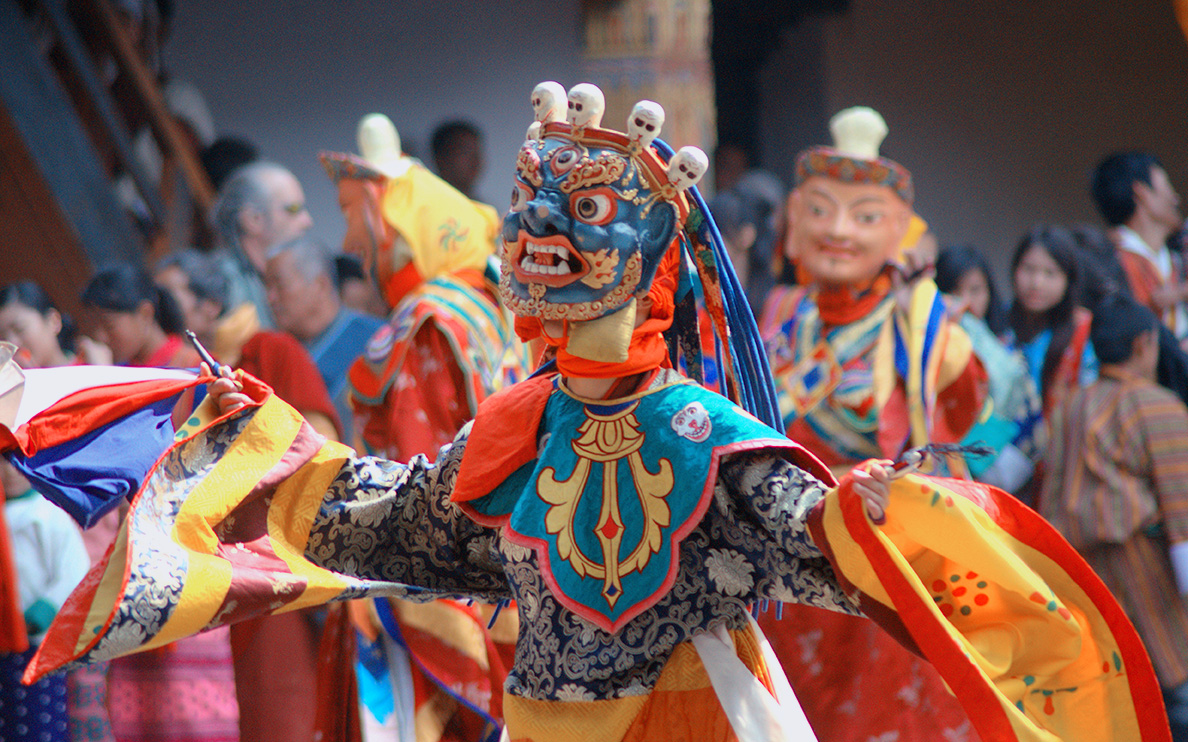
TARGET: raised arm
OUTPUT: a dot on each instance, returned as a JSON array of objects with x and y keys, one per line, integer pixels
[
  {"x": 389, "y": 522},
  {"x": 761, "y": 509}
]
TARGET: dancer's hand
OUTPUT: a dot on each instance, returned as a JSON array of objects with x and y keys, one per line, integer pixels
[
  {"x": 873, "y": 484},
  {"x": 226, "y": 392}
]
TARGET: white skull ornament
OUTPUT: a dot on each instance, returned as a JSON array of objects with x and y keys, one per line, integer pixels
[
  {"x": 548, "y": 102},
  {"x": 686, "y": 167},
  {"x": 643, "y": 125},
  {"x": 586, "y": 104}
]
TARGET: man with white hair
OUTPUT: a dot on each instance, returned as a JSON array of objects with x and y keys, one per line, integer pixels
[
  {"x": 299, "y": 280},
  {"x": 261, "y": 205}
]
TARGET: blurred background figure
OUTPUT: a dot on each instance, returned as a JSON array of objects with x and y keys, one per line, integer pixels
[
  {"x": 1046, "y": 321},
  {"x": 140, "y": 322},
  {"x": 1101, "y": 272},
  {"x": 458, "y": 155},
  {"x": 226, "y": 155},
  {"x": 303, "y": 295},
  {"x": 30, "y": 321},
  {"x": 261, "y": 204},
  {"x": 356, "y": 289},
  {"x": 1136, "y": 199},
  {"x": 276, "y": 358},
  {"x": 1049, "y": 327},
  {"x": 730, "y": 162},
  {"x": 1116, "y": 488},
  {"x": 1012, "y": 429},
  {"x": 749, "y": 216}
]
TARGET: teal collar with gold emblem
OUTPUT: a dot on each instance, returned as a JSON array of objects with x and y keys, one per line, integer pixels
[{"x": 615, "y": 487}]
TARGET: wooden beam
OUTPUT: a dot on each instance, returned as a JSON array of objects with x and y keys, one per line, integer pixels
[
  {"x": 39, "y": 243},
  {"x": 48, "y": 130},
  {"x": 164, "y": 126}
]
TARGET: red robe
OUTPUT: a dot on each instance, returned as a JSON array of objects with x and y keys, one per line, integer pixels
[
  {"x": 855, "y": 682},
  {"x": 276, "y": 657}
]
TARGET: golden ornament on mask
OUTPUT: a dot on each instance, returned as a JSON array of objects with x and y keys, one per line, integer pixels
[
  {"x": 602, "y": 268},
  {"x": 528, "y": 166},
  {"x": 632, "y": 272},
  {"x": 602, "y": 171}
]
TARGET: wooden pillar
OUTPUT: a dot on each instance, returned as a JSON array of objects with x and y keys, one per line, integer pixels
[{"x": 655, "y": 50}]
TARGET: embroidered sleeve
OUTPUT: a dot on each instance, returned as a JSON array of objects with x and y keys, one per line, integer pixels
[
  {"x": 761, "y": 506},
  {"x": 388, "y": 522}
]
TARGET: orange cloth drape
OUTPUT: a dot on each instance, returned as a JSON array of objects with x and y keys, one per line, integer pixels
[
  {"x": 1181, "y": 8},
  {"x": 13, "y": 637}
]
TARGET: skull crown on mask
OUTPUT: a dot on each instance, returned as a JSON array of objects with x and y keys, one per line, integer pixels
[{"x": 592, "y": 210}]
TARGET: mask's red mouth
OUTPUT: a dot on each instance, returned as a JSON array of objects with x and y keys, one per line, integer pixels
[
  {"x": 837, "y": 250},
  {"x": 551, "y": 261}
]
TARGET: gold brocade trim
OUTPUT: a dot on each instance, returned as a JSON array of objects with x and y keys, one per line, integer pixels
[
  {"x": 532, "y": 720},
  {"x": 528, "y": 165}
]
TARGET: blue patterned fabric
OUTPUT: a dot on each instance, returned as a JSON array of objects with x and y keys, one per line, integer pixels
[
  {"x": 393, "y": 526},
  {"x": 31, "y": 713}
]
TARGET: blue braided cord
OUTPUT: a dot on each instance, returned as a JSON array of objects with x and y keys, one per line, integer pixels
[
  {"x": 752, "y": 355},
  {"x": 756, "y": 390},
  {"x": 495, "y": 613},
  {"x": 747, "y": 350}
]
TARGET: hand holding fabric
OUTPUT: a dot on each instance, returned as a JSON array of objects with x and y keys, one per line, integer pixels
[
  {"x": 225, "y": 391},
  {"x": 872, "y": 482}
]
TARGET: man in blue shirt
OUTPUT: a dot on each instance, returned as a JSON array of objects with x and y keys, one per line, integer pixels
[{"x": 299, "y": 278}]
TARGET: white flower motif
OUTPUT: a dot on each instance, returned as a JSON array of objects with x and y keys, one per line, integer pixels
[
  {"x": 119, "y": 639},
  {"x": 514, "y": 552},
  {"x": 637, "y": 688},
  {"x": 730, "y": 572},
  {"x": 574, "y": 692}
]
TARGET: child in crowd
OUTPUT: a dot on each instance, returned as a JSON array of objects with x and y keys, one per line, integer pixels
[
  {"x": 44, "y": 336},
  {"x": 963, "y": 274},
  {"x": 140, "y": 322},
  {"x": 1117, "y": 488},
  {"x": 50, "y": 560}
]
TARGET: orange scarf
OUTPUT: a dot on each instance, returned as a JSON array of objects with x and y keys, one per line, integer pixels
[{"x": 842, "y": 305}]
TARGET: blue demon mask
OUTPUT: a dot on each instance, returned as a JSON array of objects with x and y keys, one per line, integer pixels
[{"x": 592, "y": 213}]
